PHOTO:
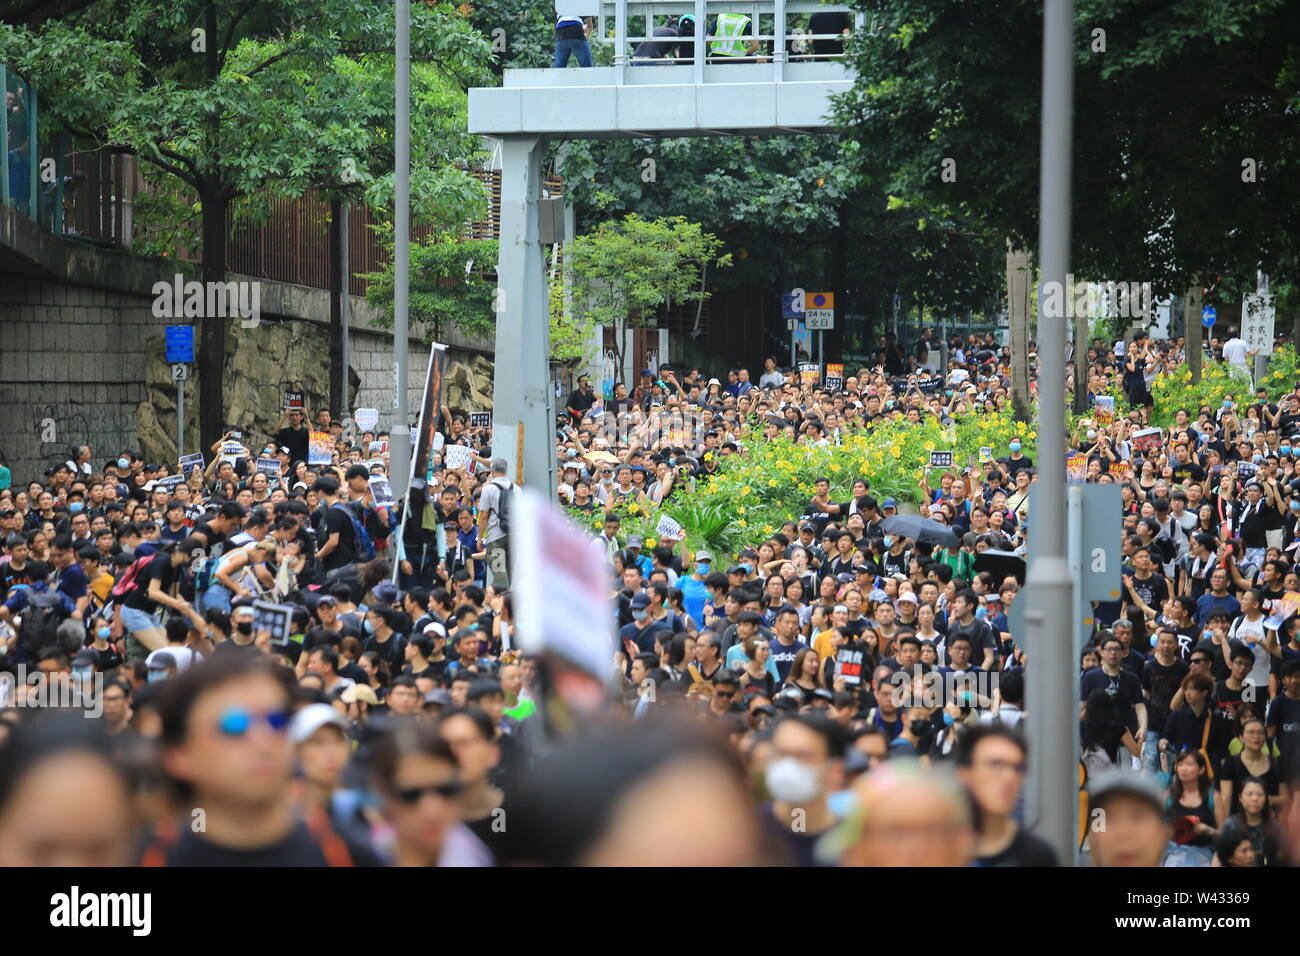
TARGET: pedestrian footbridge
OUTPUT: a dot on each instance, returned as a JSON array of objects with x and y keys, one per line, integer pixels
[{"x": 755, "y": 67}]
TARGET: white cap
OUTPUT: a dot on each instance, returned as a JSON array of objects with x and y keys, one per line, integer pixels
[{"x": 312, "y": 718}]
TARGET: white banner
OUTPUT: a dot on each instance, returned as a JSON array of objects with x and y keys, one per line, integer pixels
[
  {"x": 458, "y": 456},
  {"x": 560, "y": 579},
  {"x": 1257, "y": 314}
]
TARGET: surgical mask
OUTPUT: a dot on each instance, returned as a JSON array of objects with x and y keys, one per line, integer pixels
[
  {"x": 639, "y": 613},
  {"x": 244, "y": 627},
  {"x": 82, "y": 673},
  {"x": 75, "y": 506},
  {"x": 1295, "y": 505},
  {"x": 124, "y": 463},
  {"x": 748, "y": 568},
  {"x": 370, "y": 628},
  {"x": 1227, "y": 403},
  {"x": 104, "y": 632},
  {"x": 1092, "y": 434},
  {"x": 702, "y": 567},
  {"x": 981, "y": 612},
  {"x": 1257, "y": 458},
  {"x": 157, "y": 677},
  {"x": 791, "y": 780},
  {"x": 1015, "y": 446},
  {"x": 1284, "y": 449},
  {"x": 889, "y": 542},
  {"x": 947, "y": 719}
]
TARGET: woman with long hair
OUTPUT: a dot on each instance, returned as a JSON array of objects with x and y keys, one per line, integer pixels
[
  {"x": 755, "y": 678},
  {"x": 1254, "y": 819},
  {"x": 805, "y": 676},
  {"x": 1189, "y": 806}
]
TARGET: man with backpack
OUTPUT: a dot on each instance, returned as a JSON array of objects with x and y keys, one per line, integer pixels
[
  {"x": 43, "y": 610},
  {"x": 343, "y": 539},
  {"x": 494, "y": 507}
]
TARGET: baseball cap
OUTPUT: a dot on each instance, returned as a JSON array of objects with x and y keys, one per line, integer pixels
[
  {"x": 433, "y": 627},
  {"x": 889, "y": 503},
  {"x": 315, "y": 716},
  {"x": 387, "y": 592},
  {"x": 635, "y": 541},
  {"x": 877, "y": 595},
  {"x": 1140, "y": 785},
  {"x": 438, "y": 695},
  {"x": 640, "y": 600},
  {"x": 909, "y": 597},
  {"x": 160, "y": 660},
  {"x": 703, "y": 556},
  {"x": 840, "y": 607}
]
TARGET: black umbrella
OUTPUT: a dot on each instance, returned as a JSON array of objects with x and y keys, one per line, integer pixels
[
  {"x": 1001, "y": 564},
  {"x": 920, "y": 530}
]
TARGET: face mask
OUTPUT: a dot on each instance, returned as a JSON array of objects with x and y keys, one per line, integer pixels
[
  {"x": 123, "y": 463},
  {"x": 1092, "y": 435},
  {"x": 702, "y": 567},
  {"x": 791, "y": 780},
  {"x": 82, "y": 673},
  {"x": 639, "y": 614},
  {"x": 157, "y": 677},
  {"x": 748, "y": 568},
  {"x": 1015, "y": 446},
  {"x": 370, "y": 628},
  {"x": 1284, "y": 450},
  {"x": 1227, "y": 403},
  {"x": 918, "y": 727},
  {"x": 1295, "y": 505},
  {"x": 947, "y": 719},
  {"x": 1153, "y": 640},
  {"x": 889, "y": 542},
  {"x": 1257, "y": 459},
  {"x": 75, "y": 506},
  {"x": 981, "y": 612},
  {"x": 104, "y": 632},
  {"x": 244, "y": 627}
]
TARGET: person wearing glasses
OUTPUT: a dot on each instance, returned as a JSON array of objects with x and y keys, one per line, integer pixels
[
  {"x": 991, "y": 765},
  {"x": 417, "y": 775},
  {"x": 227, "y": 752}
]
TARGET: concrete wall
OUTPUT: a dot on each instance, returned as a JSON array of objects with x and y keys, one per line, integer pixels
[{"x": 76, "y": 325}]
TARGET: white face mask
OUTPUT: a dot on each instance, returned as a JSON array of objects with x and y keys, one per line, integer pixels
[{"x": 792, "y": 781}]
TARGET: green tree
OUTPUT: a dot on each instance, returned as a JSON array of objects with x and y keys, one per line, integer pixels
[
  {"x": 241, "y": 100},
  {"x": 627, "y": 268},
  {"x": 1186, "y": 128}
]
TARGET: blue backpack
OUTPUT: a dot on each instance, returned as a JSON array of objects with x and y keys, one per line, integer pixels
[{"x": 365, "y": 545}]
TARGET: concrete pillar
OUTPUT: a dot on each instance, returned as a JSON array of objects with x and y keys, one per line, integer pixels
[{"x": 523, "y": 404}]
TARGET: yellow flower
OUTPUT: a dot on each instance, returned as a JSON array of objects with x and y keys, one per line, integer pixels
[
  {"x": 771, "y": 482},
  {"x": 741, "y": 523},
  {"x": 651, "y": 542}
]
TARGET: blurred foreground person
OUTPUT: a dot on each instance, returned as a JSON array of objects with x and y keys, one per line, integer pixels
[
  {"x": 643, "y": 795},
  {"x": 992, "y": 762},
  {"x": 227, "y": 749},
  {"x": 63, "y": 800},
  {"x": 419, "y": 783},
  {"x": 907, "y": 815},
  {"x": 1126, "y": 820}
]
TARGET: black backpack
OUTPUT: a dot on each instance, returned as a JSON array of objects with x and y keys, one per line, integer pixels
[
  {"x": 41, "y": 619},
  {"x": 503, "y": 508}
]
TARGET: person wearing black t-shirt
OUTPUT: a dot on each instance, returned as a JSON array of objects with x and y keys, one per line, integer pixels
[
  {"x": 296, "y": 436},
  {"x": 337, "y": 540},
  {"x": 224, "y": 736},
  {"x": 991, "y": 766},
  {"x": 1121, "y": 684}
]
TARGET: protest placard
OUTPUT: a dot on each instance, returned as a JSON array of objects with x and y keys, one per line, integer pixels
[{"x": 320, "y": 448}]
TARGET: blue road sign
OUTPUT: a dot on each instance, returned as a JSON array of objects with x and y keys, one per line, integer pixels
[
  {"x": 179, "y": 344},
  {"x": 787, "y": 307},
  {"x": 1208, "y": 315}
]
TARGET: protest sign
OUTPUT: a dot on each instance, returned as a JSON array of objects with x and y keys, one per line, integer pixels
[
  {"x": 941, "y": 459},
  {"x": 382, "y": 491},
  {"x": 188, "y": 463},
  {"x": 809, "y": 374},
  {"x": 1103, "y": 409},
  {"x": 1076, "y": 469},
  {"x": 835, "y": 376},
  {"x": 480, "y": 419},
  {"x": 320, "y": 449},
  {"x": 1146, "y": 439},
  {"x": 276, "y": 618},
  {"x": 458, "y": 456},
  {"x": 269, "y": 467},
  {"x": 366, "y": 418},
  {"x": 294, "y": 401},
  {"x": 668, "y": 528}
]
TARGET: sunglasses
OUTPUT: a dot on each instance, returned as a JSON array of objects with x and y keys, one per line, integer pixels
[
  {"x": 447, "y": 791},
  {"x": 237, "y": 721}
]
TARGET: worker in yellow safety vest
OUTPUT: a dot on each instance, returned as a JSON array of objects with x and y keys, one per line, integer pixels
[{"x": 732, "y": 27}]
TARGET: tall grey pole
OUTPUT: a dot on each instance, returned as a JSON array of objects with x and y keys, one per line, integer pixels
[
  {"x": 345, "y": 307},
  {"x": 399, "y": 444},
  {"x": 180, "y": 418},
  {"x": 1052, "y": 711},
  {"x": 1261, "y": 361}
]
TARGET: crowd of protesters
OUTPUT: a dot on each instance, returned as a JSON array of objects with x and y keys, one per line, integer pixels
[{"x": 851, "y": 696}]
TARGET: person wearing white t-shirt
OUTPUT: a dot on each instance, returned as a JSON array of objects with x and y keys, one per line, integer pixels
[
  {"x": 1235, "y": 352},
  {"x": 1249, "y": 629}
]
